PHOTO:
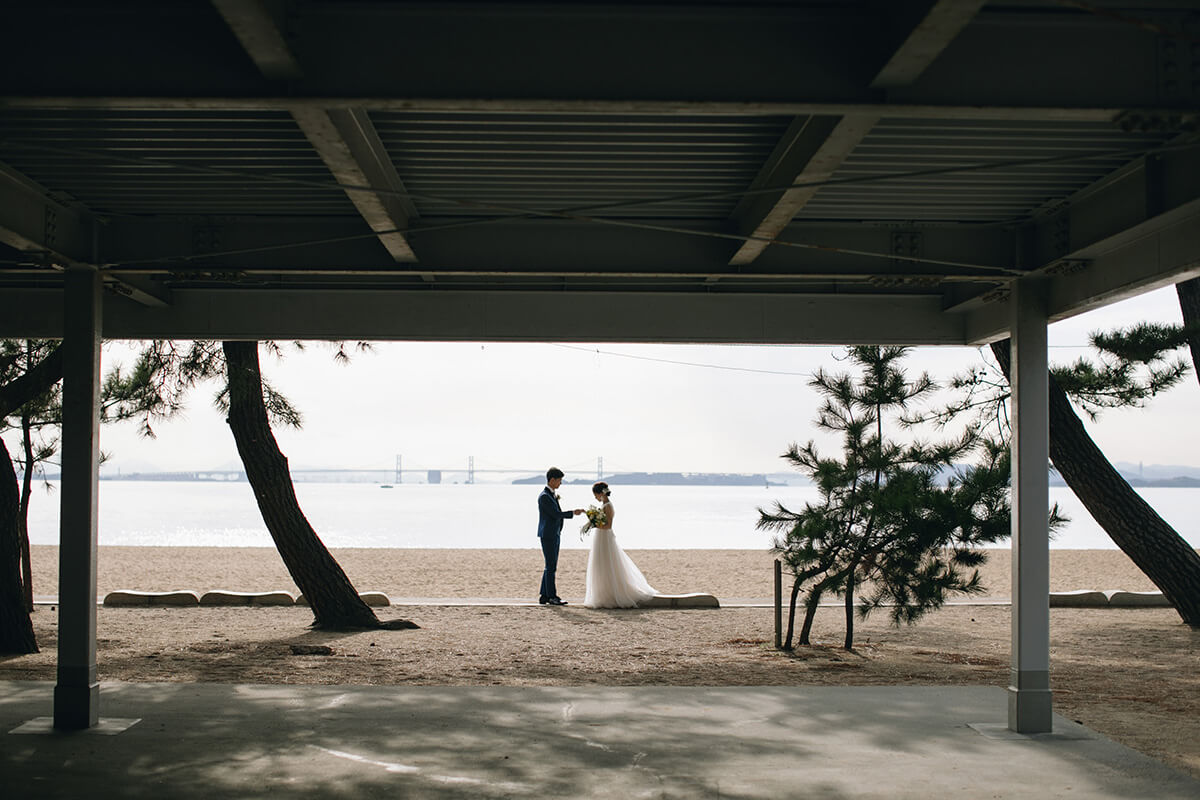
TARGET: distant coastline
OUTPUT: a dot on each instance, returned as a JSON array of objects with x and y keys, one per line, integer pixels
[
  {"x": 627, "y": 478},
  {"x": 669, "y": 479}
]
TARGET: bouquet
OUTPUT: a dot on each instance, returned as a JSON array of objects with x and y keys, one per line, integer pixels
[{"x": 595, "y": 519}]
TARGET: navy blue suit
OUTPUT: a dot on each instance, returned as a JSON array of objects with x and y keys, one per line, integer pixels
[{"x": 550, "y": 522}]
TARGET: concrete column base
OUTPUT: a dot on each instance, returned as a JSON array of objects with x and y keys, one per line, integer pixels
[
  {"x": 1030, "y": 706},
  {"x": 76, "y": 707}
]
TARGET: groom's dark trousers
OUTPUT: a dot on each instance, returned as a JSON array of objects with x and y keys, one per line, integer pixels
[{"x": 550, "y": 521}]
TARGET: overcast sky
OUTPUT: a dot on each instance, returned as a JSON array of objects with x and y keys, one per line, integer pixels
[{"x": 640, "y": 407}]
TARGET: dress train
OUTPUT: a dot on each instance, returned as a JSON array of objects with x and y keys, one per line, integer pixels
[{"x": 613, "y": 580}]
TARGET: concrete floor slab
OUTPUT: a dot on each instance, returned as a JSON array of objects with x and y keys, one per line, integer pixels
[{"x": 250, "y": 741}]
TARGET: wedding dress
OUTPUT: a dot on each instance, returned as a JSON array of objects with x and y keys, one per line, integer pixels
[{"x": 613, "y": 580}]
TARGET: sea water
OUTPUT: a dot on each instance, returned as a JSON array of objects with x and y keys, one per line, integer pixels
[{"x": 224, "y": 514}]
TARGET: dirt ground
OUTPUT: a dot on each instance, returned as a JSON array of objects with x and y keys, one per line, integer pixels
[{"x": 1131, "y": 674}]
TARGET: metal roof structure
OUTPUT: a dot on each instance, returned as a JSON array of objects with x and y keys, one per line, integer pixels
[
  {"x": 820, "y": 171},
  {"x": 768, "y": 171}
]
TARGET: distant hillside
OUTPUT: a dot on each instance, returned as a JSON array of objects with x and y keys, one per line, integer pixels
[
  {"x": 1156, "y": 472},
  {"x": 667, "y": 479}
]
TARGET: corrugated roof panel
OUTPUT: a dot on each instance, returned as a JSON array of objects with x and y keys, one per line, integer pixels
[
  {"x": 544, "y": 162},
  {"x": 971, "y": 170},
  {"x": 173, "y": 162}
]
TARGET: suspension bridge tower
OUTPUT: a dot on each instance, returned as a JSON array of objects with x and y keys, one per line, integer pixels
[
  {"x": 470, "y": 469},
  {"x": 599, "y": 468},
  {"x": 399, "y": 471}
]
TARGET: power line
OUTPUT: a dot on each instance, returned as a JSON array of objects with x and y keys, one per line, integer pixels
[
  {"x": 680, "y": 363},
  {"x": 576, "y": 214}
]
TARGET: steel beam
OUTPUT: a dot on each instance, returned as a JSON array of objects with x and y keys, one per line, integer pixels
[
  {"x": 1014, "y": 111},
  {"x": 434, "y": 315},
  {"x": 344, "y": 138},
  {"x": 943, "y": 21},
  {"x": 348, "y": 144},
  {"x": 257, "y": 29},
  {"x": 47, "y": 231},
  {"x": 1048, "y": 58},
  {"x": 1135, "y": 231},
  {"x": 814, "y": 147},
  {"x": 331, "y": 246},
  {"x": 809, "y": 153},
  {"x": 52, "y": 235}
]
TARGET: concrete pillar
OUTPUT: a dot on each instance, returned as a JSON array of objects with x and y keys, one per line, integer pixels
[
  {"x": 77, "y": 694},
  {"x": 1029, "y": 700}
]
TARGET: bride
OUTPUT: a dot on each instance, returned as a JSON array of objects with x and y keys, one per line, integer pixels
[{"x": 613, "y": 580}]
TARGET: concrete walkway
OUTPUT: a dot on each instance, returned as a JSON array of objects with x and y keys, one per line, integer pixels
[{"x": 251, "y": 741}]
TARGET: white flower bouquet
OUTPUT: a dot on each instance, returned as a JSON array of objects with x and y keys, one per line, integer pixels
[{"x": 595, "y": 519}]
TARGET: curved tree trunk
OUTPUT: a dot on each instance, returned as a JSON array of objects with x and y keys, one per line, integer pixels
[
  {"x": 849, "y": 643},
  {"x": 787, "y": 641},
  {"x": 23, "y": 519},
  {"x": 334, "y": 601},
  {"x": 810, "y": 611},
  {"x": 1153, "y": 545},
  {"x": 16, "y": 628},
  {"x": 1189, "y": 304}
]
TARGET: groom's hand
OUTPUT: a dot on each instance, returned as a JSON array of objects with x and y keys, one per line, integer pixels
[{"x": 578, "y": 511}]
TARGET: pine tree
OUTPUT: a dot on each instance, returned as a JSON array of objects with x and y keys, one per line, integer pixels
[
  {"x": 156, "y": 388},
  {"x": 898, "y": 522}
]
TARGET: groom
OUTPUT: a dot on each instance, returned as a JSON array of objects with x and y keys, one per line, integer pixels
[{"x": 550, "y": 522}]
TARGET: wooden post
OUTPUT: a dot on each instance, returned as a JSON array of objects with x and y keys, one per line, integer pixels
[{"x": 778, "y": 605}]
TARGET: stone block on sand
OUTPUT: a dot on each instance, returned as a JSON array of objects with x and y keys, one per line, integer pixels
[
  {"x": 695, "y": 600},
  {"x": 224, "y": 597},
  {"x": 373, "y": 599},
  {"x": 132, "y": 597},
  {"x": 1122, "y": 599},
  {"x": 1081, "y": 598}
]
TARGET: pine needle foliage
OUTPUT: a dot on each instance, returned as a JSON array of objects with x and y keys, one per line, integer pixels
[{"x": 900, "y": 522}]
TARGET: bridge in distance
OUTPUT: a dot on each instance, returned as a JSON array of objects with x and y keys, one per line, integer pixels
[{"x": 434, "y": 475}]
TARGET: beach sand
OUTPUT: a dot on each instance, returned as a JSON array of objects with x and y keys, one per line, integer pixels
[{"x": 1131, "y": 674}]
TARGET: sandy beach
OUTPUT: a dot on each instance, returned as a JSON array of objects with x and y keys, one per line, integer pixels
[
  {"x": 1131, "y": 674},
  {"x": 431, "y": 573}
]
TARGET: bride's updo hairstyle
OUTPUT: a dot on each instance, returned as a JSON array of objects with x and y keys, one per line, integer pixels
[{"x": 601, "y": 488}]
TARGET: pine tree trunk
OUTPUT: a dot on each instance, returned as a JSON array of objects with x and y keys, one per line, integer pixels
[
  {"x": 1153, "y": 545},
  {"x": 23, "y": 519},
  {"x": 334, "y": 601},
  {"x": 1189, "y": 304},
  {"x": 810, "y": 611},
  {"x": 787, "y": 642},
  {"x": 16, "y": 628},
  {"x": 849, "y": 644}
]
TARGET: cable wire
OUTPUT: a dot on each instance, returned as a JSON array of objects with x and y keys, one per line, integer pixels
[
  {"x": 680, "y": 363},
  {"x": 576, "y": 214}
]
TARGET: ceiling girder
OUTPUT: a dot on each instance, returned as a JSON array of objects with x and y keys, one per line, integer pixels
[
  {"x": 942, "y": 22},
  {"x": 434, "y": 315},
  {"x": 47, "y": 231},
  {"x": 257, "y": 29},
  {"x": 331, "y": 245},
  {"x": 51, "y": 235},
  {"x": 1160, "y": 252},
  {"x": 343, "y": 137},
  {"x": 823, "y": 59},
  {"x": 349, "y": 146},
  {"x": 1137, "y": 230},
  {"x": 814, "y": 147}
]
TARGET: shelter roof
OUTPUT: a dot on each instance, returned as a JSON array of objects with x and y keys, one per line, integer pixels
[{"x": 866, "y": 170}]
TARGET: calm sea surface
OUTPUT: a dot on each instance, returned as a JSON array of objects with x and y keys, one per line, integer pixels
[{"x": 488, "y": 515}]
